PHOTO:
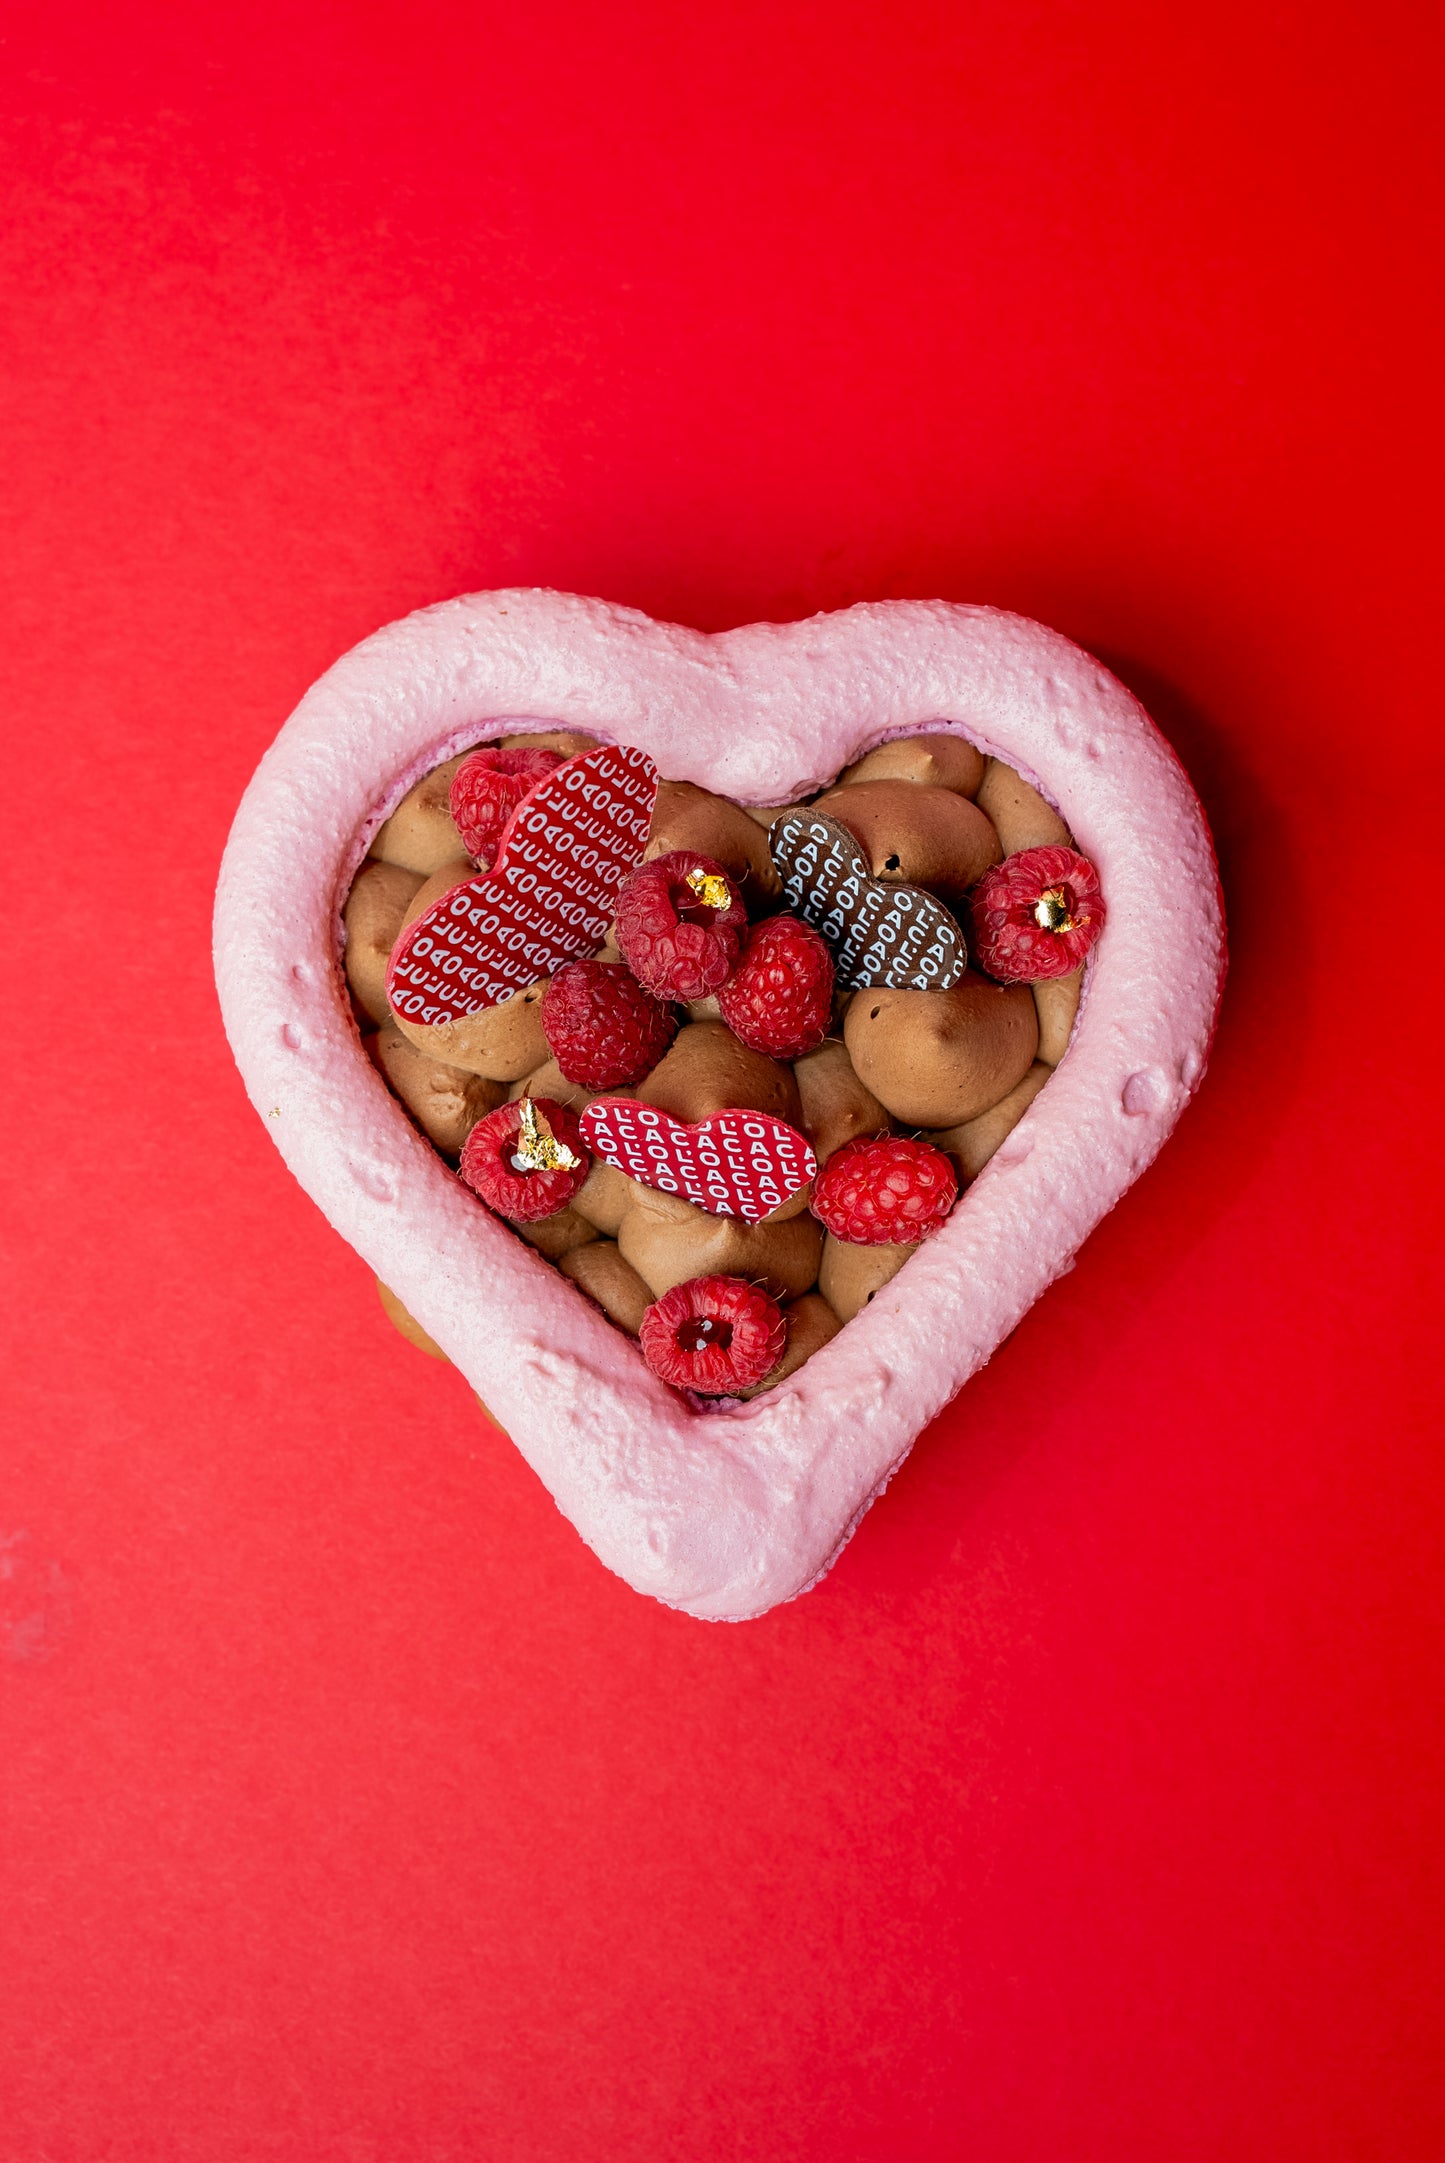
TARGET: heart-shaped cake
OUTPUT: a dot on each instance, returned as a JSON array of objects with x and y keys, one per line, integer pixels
[{"x": 924, "y": 907}]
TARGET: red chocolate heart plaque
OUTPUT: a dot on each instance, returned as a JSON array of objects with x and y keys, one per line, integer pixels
[
  {"x": 562, "y": 856},
  {"x": 735, "y": 1164}
]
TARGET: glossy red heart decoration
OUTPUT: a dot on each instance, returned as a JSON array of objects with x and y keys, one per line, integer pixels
[
  {"x": 735, "y": 1164},
  {"x": 548, "y": 897}
]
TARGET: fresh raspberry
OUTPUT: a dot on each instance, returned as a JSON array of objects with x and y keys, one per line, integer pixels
[
  {"x": 1036, "y": 915},
  {"x": 716, "y": 1335},
  {"x": 486, "y": 790},
  {"x": 602, "y": 1028},
  {"x": 779, "y": 999},
  {"x": 680, "y": 922},
  {"x": 515, "y": 1158},
  {"x": 885, "y": 1193}
]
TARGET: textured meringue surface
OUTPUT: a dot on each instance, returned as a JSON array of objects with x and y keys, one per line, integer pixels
[{"x": 723, "y": 1513}]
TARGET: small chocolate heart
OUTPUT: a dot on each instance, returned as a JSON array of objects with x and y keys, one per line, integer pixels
[
  {"x": 549, "y": 895},
  {"x": 735, "y": 1164},
  {"x": 879, "y": 934}
]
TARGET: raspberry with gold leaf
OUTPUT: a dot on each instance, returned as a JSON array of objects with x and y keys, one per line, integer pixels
[
  {"x": 526, "y": 1160},
  {"x": 1036, "y": 915},
  {"x": 680, "y": 924}
]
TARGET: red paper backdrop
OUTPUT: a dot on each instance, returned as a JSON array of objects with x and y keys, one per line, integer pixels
[{"x": 1091, "y": 1809}]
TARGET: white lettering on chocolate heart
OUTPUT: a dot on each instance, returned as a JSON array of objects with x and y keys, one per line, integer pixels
[{"x": 879, "y": 933}]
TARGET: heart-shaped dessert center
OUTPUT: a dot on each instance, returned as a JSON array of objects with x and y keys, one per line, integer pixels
[{"x": 686, "y": 1177}]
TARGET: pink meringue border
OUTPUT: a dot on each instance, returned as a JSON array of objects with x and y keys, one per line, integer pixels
[{"x": 721, "y": 1514}]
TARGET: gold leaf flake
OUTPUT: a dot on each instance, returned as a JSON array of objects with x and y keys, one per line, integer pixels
[
  {"x": 711, "y": 890},
  {"x": 538, "y": 1149},
  {"x": 1051, "y": 910}
]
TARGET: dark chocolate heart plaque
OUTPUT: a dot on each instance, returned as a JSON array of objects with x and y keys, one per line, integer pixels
[{"x": 878, "y": 933}]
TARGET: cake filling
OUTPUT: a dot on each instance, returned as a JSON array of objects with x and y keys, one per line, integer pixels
[{"x": 779, "y": 1048}]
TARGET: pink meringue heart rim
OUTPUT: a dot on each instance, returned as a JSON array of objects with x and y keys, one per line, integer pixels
[
  {"x": 685, "y": 1161},
  {"x": 726, "y": 1514}
]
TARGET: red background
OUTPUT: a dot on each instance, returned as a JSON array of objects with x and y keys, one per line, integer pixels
[{"x": 1091, "y": 1809}]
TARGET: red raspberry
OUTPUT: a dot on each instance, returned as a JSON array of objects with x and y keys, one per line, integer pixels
[
  {"x": 780, "y": 997},
  {"x": 716, "y": 1335},
  {"x": 602, "y": 1028},
  {"x": 1036, "y": 915},
  {"x": 885, "y": 1193},
  {"x": 515, "y": 1159},
  {"x": 486, "y": 790},
  {"x": 680, "y": 922}
]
